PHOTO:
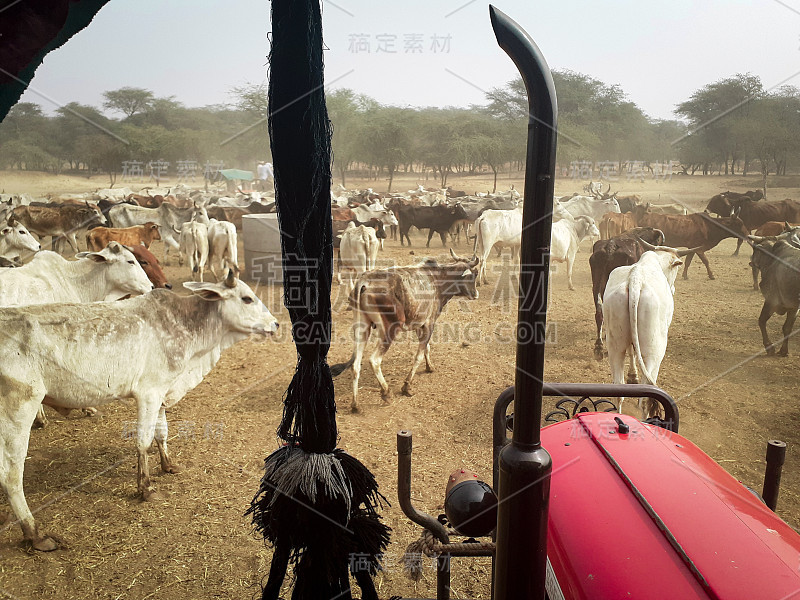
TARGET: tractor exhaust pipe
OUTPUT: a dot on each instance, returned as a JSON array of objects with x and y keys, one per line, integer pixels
[{"x": 524, "y": 466}]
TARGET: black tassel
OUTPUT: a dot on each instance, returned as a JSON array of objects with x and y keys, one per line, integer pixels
[
  {"x": 316, "y": 505},
  {"x": 320, "y": 511}
]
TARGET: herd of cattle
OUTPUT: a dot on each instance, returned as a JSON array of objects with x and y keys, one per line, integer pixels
[{"x": 70, "y": 326}]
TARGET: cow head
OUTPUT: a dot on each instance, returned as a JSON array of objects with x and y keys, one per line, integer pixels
[
  {"x": 241, "y": 311},
  {"x": 153, "y": 230},
  {"x": 121, "y": 272},
  {"x": 458, "y": 211},
  {"x": 151, "y": 266},
  {"x": 462, "y": 276},
  {"x": 14, "y": 236},
  {"x": 670, "y": 259}
]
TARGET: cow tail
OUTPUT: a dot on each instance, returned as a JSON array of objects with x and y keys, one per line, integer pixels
[
  {"x": 196, "y": 251},
  {"x": 634, "y": 293}
]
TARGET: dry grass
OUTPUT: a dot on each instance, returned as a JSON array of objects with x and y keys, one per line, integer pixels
[{"x": 193, "y": 541}]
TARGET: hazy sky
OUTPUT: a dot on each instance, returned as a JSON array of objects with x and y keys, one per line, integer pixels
[{"x": 428, "y": 53}]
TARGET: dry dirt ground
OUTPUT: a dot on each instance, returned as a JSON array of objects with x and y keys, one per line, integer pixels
[{"x": 192, "y": 541}]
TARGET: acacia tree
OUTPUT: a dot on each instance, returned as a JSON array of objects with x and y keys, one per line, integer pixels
[
  {"x": 128, "y": 100},
  {"x": 714, "y": 113},
  {"x": 385, "y": 139}
]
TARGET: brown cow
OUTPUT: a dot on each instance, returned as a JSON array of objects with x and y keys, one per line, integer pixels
[
  {"x": 690, "y": 231},
  {"x": 771, "y": 228},
  {"x": 99, "y": 237},
  {"x": 151, "y": 267},
  {"x": 614, "y": 224},
  {"x": 60, "y": 222},
  {"x": 754, "y": 214},
  {"x": 391, "y": 300},
  {"x": 342, "y": 214},
  {"x": 146, "y": 201},
  {"x": 619, "y": 251}
]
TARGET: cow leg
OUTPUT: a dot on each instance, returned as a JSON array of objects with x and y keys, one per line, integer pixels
[
  {"x": 738, "y": 245},
  {"x": 361, "y": 331},
  {"x": 766, "y": 313},
  {"x": 148, "y": 408},
  {"x": 16, "y": 417},
  {"x": 424, "y": 336},
  {"x": 428, "y": 363},
  {"x": 755, "y": 275},
  {"x": 430, "y": 235},
  {"x": 161, "y": 433},
  {"x": 376, "y": 360},
  {"x": 633, "y": 373},
  {"x": 570, "y": 262},
  {"x": 616, "y": 360},
  {"x": 702, "y": 256},
  {"x": 40, "y": 420},
  {"x": 443, "y": 235},
  {"x": 72, "y": 241},
  {"x": 788, "y": 325},
  {"x": 598, "y": 319}
]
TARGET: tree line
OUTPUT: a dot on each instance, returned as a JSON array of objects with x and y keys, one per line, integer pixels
[{"x": 731, "y": 125}]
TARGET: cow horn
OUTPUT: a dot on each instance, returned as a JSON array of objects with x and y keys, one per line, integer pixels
[
  {"x": 473, "y": 262},
  {"x": 647, "y": 245},
  {"x": 609, "y": 189},
  {"x": 694, "y": 250},
  {"x": 756, "y": 238},
  {"x": 456, "y": 257},
  {"x": 115, "y": 247},
  {"x": 230, "y": 280}
]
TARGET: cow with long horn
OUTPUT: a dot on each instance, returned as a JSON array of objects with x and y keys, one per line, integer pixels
[{"x": 637, "y": 312}]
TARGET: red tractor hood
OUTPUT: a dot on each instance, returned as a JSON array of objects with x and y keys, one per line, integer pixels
[{"x": 647, "y": 514}]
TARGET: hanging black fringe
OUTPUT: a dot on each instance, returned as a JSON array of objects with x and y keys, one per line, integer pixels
[
  {"x": 300, "y": 135},
  {"x": 317, "y": 506},
  {"x": 320, "y": 512}
]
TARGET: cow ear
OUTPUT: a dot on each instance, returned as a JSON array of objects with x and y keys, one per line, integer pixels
[
  {"x": 5, "y": 230},
  {"x": 676, "y": 262},
  {"x": 92, "y": 256},
  {"x": 206, "y": 291}
]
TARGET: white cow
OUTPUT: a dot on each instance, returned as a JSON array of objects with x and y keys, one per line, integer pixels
[
  {"x": 496, "y": 227},
  {"x": 110, "y": 274},
  {"x": 168, "y": 217},
  {"x": 358, "y": 251},
  {"x": 80, "y": 355},
  {"x": 637, "y": 312},
  {"x": 194, "y": 247},
  {"x": 223, "y": 252},
  {"x": 565, "y": 237},
  {"x": 591, "y": 207},
  {"x": 14, "y": 238}
]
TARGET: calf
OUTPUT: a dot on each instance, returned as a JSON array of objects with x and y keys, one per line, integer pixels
[
  {"x": 402, "y": 298},
  {"x": 565, "y": 238},
  {"x": 194, "y": 247},
  {"x": 358, "y": 251},
  {"x": 637, "y": 312},
  {"x": 176, "y": 341},
  {"x": 223, "y": 252},
  {"x": 138, "y": 235},
  {"x": 167, "y": 217},
  {"x": 151, "y": 267},
  {"x": 497, "y": 228}
]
